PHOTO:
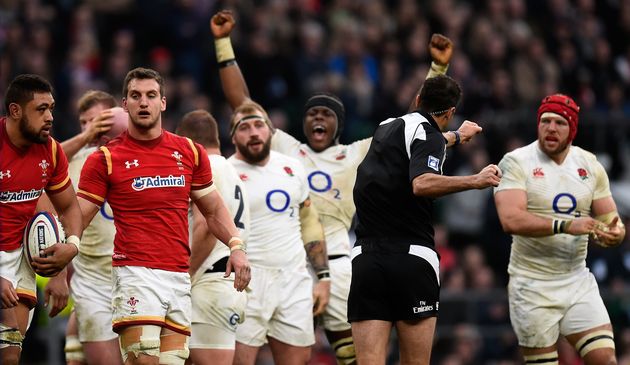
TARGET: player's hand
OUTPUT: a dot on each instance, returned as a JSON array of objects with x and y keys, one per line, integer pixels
[
  {"x": 608, "y": 235},
  {"x": 8, "y": 294},
  {"x": 99, "y": 125},
  {"x": 468, "y": 130},
  {"x": 57, "y": 257},
  {"x": 239, "y": 264},
  {"x": 321, "y": 296},
  {"x": 222, "y": 24},
  {"x": 582, "y": 225},
  {"x": 441, "y": 49},
  {"x": 489, "y": 176},
  {"x": 56, "y": 293}
]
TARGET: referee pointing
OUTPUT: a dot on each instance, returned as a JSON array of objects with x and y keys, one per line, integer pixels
[{"x": 395, "y": 269}]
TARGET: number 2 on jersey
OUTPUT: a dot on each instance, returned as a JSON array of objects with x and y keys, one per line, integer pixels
[{"x": 238, "y": 195}]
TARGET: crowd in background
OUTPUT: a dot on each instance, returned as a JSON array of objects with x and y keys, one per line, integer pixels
[{"x": 374, "y": 55}]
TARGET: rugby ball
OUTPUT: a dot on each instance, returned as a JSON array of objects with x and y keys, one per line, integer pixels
[{"x": 42, "y": 231}]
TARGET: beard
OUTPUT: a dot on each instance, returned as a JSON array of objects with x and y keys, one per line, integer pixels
[
  {"x": 144, "y": 125},
  {"x": 254, "y": 157},
  {"x": 559, "y": 149},
  {"x": 31, "y": 134}
]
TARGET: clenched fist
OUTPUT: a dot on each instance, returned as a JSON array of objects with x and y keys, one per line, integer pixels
[
  {"x": 441, "y": 49},
  {"x": 222, "y": 24}
]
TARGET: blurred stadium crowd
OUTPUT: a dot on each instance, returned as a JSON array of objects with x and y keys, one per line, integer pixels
[{"x": 373, "y": 54}]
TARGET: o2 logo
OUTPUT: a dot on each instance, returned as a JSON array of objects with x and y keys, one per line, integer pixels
[
  {"x": 278, "y": 200},
  {"x": 565, "y": 203},
  {"x": 321, "y": 182},
  {"x": 104, "y": 212}
]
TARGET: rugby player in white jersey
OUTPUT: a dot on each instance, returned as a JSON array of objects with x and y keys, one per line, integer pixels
[
  {"x": 331, "y": 169},
  {"x": 217, "y": 308},
  {"x": 552, "y": 196},
  {"x": 285, "y": 231},
  {"x": 91, "y": 285}
]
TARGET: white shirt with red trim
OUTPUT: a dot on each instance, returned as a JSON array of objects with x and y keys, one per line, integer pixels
[
  {"x": 275, "y": 193},
  {"x": 564, "y": 191}
]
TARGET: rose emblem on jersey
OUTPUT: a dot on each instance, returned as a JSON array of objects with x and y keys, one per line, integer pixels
[
  {"x": 582, "y": 173},
  {"x": 243, "y": 177},
  {"x": 288, "y": 170}
]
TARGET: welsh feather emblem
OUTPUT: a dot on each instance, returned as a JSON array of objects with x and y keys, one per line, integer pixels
[{"x": 583, "y": 174}]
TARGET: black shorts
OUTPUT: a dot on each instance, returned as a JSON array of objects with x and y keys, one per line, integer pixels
[{"x": 392, "y": 287}]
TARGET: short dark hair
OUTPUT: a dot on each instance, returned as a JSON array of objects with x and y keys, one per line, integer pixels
[
  {"x": 23, "y": 87},
  {"x": 143, "y": 74},
  {"x": 201, "y": 127},
  {"x": 94, "y": 97},
  {"x": 438, "y": 94}
]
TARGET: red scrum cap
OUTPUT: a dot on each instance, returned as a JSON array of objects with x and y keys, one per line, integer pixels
[{"x": 565, "y": 107}]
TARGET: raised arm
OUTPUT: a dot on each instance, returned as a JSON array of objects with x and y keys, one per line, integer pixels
[{"x": 232, "y": 80}]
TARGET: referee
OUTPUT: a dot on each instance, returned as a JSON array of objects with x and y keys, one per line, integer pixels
[{"x": 395, "y": 269}]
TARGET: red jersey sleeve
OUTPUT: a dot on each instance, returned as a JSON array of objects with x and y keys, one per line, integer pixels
[
  {"x": 202, "y": 173},
  {"x": 60, "y": 179},
  {"x": 93, "y": 182}
]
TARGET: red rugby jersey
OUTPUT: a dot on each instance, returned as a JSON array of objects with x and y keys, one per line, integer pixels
[
  {"x": 24, "y": 174},
  {"x": 148, "y": 185}
]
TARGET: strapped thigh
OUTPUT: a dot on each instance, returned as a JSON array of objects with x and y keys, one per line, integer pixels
[
  {"x": 595, "y": 340},
  {"x": 549, "y": 358},
  {"x": 140, "y": 340},
  {"x": 173, "y": 348},
  {"x": 10, "y": 336}
]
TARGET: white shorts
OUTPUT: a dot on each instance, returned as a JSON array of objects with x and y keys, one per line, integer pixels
[
  {"x": 92, "y": 299},
  {"x": 14, "y": 267},
  {"x": 335, "y": 318},
  {"x": 280, "y": 305},
  {"x": 144, "y": 296},
  {"x": 218, "y": 306},
  {"x": 541, "y": 310}
]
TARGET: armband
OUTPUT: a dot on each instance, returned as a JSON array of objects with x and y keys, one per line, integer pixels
[
  {"x": 458, "y": 138},
  {"x": 560, "y": 226},
  {"x": 223, "y": 49},
  {"x": 436, "y": 69},
  {"x": 323, "y": 275},
  {"x": 239, "y": 245},
  {"x": 75, "y": 240}
]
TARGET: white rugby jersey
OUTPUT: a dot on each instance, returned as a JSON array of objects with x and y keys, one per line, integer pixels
[
  {"x": 98, "y": 237},
  {"x": 330, "y": 176},
  {"x": 232, "y": 190},
  {"x": 275, "y": 192},
  {"x": 563, "y": 191}
]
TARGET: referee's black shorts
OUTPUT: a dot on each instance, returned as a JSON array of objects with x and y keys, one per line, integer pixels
[{"x": 393, "y": 286}]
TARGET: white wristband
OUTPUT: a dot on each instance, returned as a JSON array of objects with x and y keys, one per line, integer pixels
[{"x": 74, "y": 240}]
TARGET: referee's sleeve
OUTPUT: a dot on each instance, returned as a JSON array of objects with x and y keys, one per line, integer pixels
[{"x": 427, "y": 156}]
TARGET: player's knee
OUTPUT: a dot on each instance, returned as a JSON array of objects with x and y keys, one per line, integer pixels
[
  {"x": 344, "y": 351},
  {"x": 598, "y": 340},
  {"x": 548, "y": 358},
  {"x": 74, "y": 349}
]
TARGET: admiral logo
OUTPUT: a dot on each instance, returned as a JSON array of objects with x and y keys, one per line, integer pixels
[
  {"x": 6, "y": 174},
  {"x": 19, "y": 196},
  {"x": 134, "y": 163},
  {"x": 141, "y": 183}
]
